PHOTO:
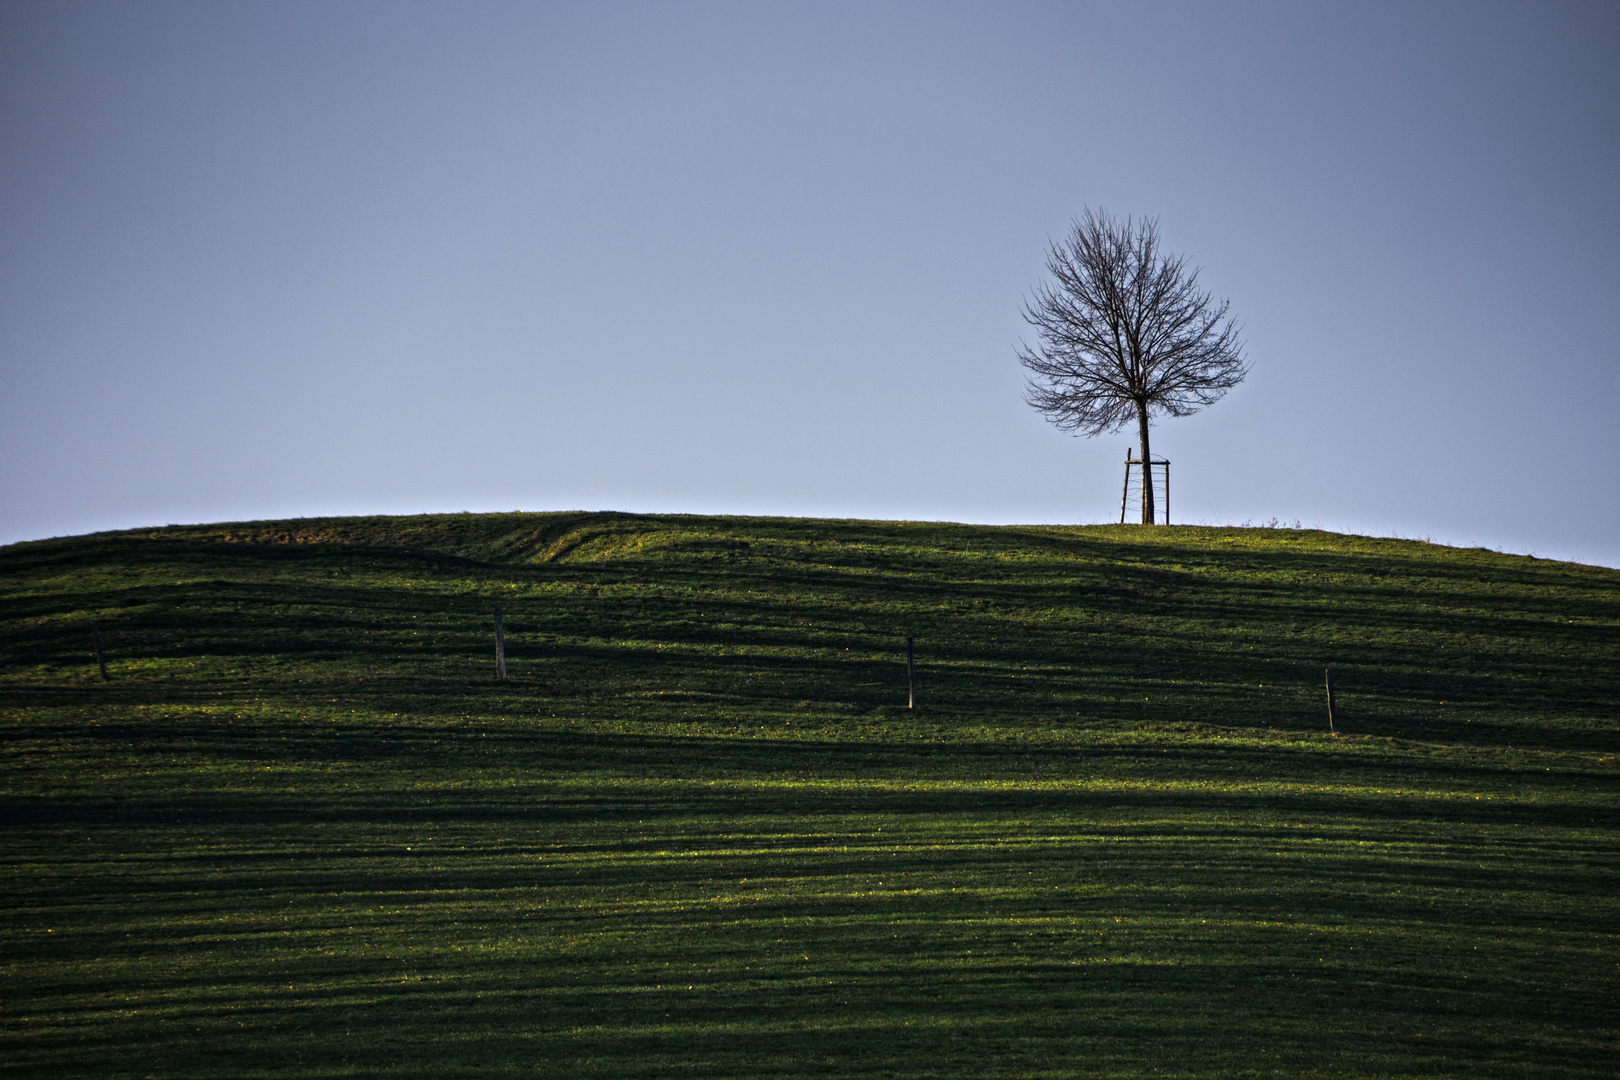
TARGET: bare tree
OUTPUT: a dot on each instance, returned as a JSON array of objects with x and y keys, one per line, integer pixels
[{"x": 1124, "y": 333}]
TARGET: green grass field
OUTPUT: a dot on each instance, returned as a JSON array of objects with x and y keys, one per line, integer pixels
[{"x": 302, "y": 830}]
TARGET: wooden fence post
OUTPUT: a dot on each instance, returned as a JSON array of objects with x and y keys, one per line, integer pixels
[
  {"x": 911, "y": 677},
  {"x": 1331, "y": 729},
  {"x": 101, "y": 664},
  {"x": 1125, "y": 495},
  {"x": 500, "y": 646}
]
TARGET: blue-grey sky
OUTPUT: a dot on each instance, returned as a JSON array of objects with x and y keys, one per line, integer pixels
[{"x": 284, "y": 259}]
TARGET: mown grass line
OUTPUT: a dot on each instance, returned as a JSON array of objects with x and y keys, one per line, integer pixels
[{"x": 301, "y": 831}]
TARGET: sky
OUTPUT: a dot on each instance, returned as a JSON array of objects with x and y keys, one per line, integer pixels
[{"x": 284, "y": 259}]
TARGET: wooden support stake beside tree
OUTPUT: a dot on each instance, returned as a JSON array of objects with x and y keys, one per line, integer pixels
[
  {"x": 101, "y": 664},
  {"x": 1125, "y": 496},
  {"x": 911, "y": 677},
  {"x": 1331, "y": 729},
  {"x": 500, "y": 647}
]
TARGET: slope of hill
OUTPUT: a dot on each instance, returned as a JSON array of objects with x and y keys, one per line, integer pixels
[{"x": 301, "y": 829}]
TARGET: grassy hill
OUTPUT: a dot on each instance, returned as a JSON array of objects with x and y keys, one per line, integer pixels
[{"x": 301, "y": 830}]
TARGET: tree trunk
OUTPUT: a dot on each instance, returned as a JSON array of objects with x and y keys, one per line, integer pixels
[{"x": 1147, "y": 466}]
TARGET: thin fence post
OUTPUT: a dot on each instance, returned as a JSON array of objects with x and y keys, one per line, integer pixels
[
  {"x": 911, "y": 677},
  {"x": 101, "y": 664},
  {"x": 1331, "y": 729},
  {"x": 500, "y": 646}
]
